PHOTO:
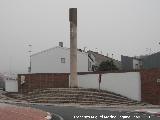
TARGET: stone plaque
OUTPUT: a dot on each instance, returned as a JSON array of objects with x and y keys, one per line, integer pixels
[{"x": 158, "y": 80}]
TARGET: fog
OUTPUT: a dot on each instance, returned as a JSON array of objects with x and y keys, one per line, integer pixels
[{"x": 118, "y": 27}]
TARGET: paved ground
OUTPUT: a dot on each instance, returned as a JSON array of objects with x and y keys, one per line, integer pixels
[
  {"x": 85, "y": 113},
  {"x": 10, "y": 112},
  {"x": 75, "y": 112},
  {"x": 152, "y": 111}
]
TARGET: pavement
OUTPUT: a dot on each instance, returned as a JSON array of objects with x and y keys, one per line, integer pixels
[
  {"x": 91, "y": 113},
  {"x": 151, "y": 111},
  {"x": 69, "y": 111},
  {"x": 13, "y": 112}
]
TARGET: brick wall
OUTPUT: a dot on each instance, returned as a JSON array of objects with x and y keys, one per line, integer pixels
[
  {"x": 43, "y": 80},
  {"x": 150, "y": 88}
]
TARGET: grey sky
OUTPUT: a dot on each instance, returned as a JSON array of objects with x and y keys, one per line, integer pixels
[{"x": 125, "y": 27}]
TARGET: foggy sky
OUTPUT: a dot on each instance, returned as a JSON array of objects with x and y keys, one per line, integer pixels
[{"x": 119, "y": 27}]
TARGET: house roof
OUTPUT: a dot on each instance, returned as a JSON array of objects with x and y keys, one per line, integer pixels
[
  {"x": 50, "y": 49},
  {"x": 100, "y": 58},
  {"x": 135, "y": 57}
]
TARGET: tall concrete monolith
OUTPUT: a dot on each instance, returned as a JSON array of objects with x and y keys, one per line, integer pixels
[{"x": 73, "y": 47}]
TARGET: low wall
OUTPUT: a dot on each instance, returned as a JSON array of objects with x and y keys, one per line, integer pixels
[
  {"x": 127, "y": 84},
  {"x": 141, "y": 85},
  {"x": 151, "y": 86},
  {"x": 29, "y": 82},
  {"x": 11, "y": 85}
]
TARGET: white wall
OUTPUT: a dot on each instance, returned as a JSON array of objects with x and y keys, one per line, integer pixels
[
  {"x": 92, "y": 62},
  {"x": 127, "y": 84},
  {"x": 11, "y": 85},
  {"x": 49, "y": 61},
  {"x": 136, "y": 64}
]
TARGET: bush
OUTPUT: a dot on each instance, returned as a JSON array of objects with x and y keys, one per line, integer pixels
[{"x": 107, "y": 66}]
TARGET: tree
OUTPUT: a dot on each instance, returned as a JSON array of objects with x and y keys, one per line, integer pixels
[{"x": 107, "y": 66}]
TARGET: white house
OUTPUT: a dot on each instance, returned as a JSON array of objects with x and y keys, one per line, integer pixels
[{"x": 57, "y": 60}]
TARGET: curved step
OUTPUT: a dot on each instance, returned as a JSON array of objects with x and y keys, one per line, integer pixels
[{"x": 75, "y": 95}]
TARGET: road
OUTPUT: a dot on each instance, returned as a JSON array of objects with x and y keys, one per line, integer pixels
[{"x": 79, "y": 113}]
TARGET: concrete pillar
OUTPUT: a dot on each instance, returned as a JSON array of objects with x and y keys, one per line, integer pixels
[{"x": 73, "y": 47}]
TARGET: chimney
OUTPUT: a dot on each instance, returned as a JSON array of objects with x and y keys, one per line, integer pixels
[{"x": 61, "y": 44}]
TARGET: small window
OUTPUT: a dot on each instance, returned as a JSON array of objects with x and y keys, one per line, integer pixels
[{"x": 62, "y": 60}]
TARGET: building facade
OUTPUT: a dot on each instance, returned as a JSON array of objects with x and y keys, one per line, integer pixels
[
  {"x": 131, "y": 63},
  {"x": 151, "y": 61},
  {"x": 99, "y": 58},
  {"x": 142, "y": 62},
  {"x": 57, "y": 60}
]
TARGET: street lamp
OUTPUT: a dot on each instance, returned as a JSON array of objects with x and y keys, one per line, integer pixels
[
  {"x": 112, "y": 57},
  {"x": 112, "y": 63},
  {"x": 96, "y": 50},
  {"x": 30, "y": 51}
]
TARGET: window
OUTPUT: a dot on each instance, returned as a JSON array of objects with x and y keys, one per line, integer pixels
[{"x": 62, "y": 60}]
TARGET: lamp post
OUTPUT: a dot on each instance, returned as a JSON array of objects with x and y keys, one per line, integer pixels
[
  {"x": 112, "y": 63},
  {"x": 96, "y": 49},
  {"x": 30, "y": 52}
]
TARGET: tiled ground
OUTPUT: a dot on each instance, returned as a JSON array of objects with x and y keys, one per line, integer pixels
[{"x": 8, "y": 112}]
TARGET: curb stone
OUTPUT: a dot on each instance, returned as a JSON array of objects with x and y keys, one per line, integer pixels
[
  {"x": 56, "y": 117},
  {"x": 49, "y": 116},
  {"x": 148, "y": 111}
]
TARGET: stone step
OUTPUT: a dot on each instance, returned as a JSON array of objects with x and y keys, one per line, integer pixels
[
  {"x": 77, "y": 90},
  {"x": 83, "y": 99},
  {"x": 71, "y": 98},
  {"x": 66, "y": 101},
  {"x": 74, "y": 97},
  {"x": 100, "y": 99},
  {"x": 78, "y": 94},
  {"x": 74, "y": 94},
  {"x": 80, "y": 102}
]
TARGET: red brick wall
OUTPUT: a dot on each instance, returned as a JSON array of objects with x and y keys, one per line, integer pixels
[
  {"x": 43, "y": 80},
  {"x": 150, "y": 87}
]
